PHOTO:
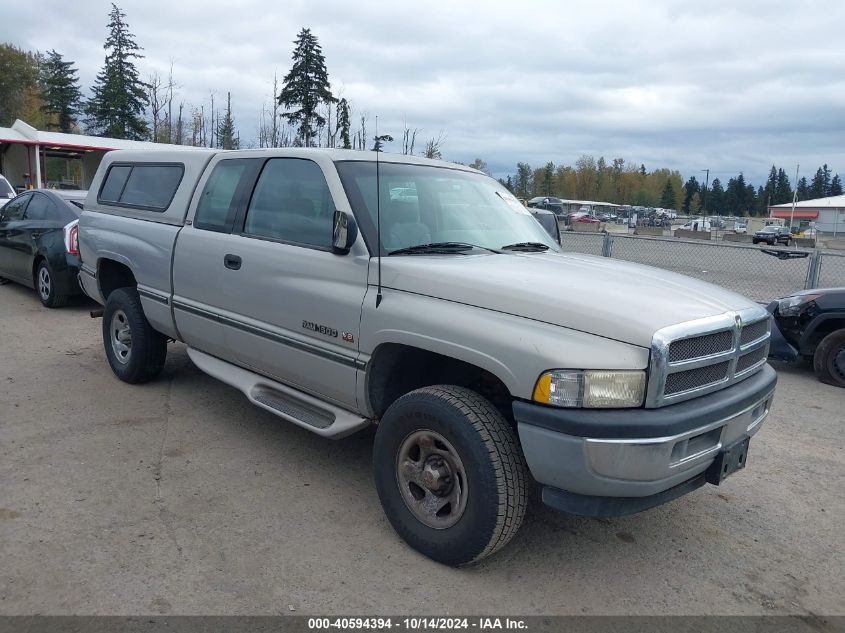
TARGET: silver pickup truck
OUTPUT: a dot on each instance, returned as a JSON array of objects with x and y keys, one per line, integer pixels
[{"x": 337, "y": 292}]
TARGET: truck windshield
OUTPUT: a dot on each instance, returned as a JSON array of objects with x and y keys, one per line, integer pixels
[{"x": 422, "y": 205}]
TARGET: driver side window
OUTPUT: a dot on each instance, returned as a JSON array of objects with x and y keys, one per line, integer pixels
[{"x": 291, "y": 203}]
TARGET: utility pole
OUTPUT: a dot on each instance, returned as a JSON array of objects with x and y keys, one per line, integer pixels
[
  {"x": 794, "y": 198},
  {"x": 706, "y": 185}
]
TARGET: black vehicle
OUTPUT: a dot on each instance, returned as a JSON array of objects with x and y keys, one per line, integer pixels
[
  {"x": 550, "y": 203},
  {"x": 548, "y": 220},
  {"x": 772, "y": 235},
  {"x": 811, "y": 325},
  {"x": 38, "y": 243}
]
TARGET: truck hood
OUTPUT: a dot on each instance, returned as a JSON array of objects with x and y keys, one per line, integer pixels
[{"x": 618, "y": 300}]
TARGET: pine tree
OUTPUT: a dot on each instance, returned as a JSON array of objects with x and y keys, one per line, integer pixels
[
  {"x": 226, "y": 135},
  {"x": 817, "y": 186},
  {"x": 379, "y": 141},
  {"x": 836, "y": 186},
  {"x": 117, "y": 105},
  {"x": 803, "y": 189},
  {"x": 306, "y": 87},
  {"x": 343, "y": 123},
  {"x": 667, "y": 199},
  {"x": 691, "y": 188},
  {"x": 524, "y": 178},
  {"x": 60, "y": 91},
  {"x": 783, "y": 189},
  {"x": 716, "y": 197},
  {"x": 548, "y": 176}
]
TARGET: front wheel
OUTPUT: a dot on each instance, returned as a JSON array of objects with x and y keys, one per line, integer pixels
[
  {"x": 829, "y": 359},
  {"x": 450, "y": 474},
  {"x": 136, "y": 352}
]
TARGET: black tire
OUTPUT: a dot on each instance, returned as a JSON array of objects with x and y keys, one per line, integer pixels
[
  {"x": 829, "y": 359},
  {"x": 492, "y": 461},
  {"x": 755, "y": 241},
  {"x": 147, "y": 348},
  {"x": 45, "y": 286}
]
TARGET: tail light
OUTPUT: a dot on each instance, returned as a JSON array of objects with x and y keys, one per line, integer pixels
[{"x": 72, "y": 238}]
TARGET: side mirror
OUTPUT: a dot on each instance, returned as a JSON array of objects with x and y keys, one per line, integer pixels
[{"x": 344, "y": 233}]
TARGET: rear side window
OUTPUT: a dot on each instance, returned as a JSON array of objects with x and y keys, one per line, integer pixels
[
  {"x": 114, "y": 183},
  {"x": 13, "y": 211},
  {"x": 145, "y": 186},
  {"x": 41, "y": 208},
  {"x": 219, "y": 202}
]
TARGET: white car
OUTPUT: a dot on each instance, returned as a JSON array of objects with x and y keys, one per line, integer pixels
[
  {"x": 740, "y": 227},
  {"x": 6, "y": 192}
]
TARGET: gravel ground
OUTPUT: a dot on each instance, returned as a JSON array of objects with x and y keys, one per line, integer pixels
[{"x": 180, "y": 497}]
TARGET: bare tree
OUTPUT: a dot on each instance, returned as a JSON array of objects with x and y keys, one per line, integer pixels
[
  {"x": 156, "y": 98},
  {"x": 409, "y": 137},
  {"x": 180, "y": 125},
  {"x": 433, "y": 147}
]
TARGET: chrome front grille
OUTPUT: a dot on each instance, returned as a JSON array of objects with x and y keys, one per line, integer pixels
[
  {"x": 750, "y": 360},
  {"x": 693, "y": 378},
  {"x": 753, "y": 332},
  {"x": 699, "y": 346},
  {"x": 691, "y": 359}
]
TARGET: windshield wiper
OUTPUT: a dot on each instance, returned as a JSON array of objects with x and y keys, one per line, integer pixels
[
  {"x": 445, "y": 248},
  {"x": 527, "y": 247}
]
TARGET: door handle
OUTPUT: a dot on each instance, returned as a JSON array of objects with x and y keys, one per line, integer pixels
[{"x": 233, "y": 262}]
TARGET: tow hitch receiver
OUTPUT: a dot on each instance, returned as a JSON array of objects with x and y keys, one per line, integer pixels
[{"x": 729, "y": 460}]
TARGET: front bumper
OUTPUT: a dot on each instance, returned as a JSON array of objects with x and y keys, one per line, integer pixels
[
  {"x": 611, "y": 462},
  {"x": 779, "y": 347}
]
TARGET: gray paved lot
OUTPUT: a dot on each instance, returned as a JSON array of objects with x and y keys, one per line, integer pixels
[{"x": 180, "y": 497}]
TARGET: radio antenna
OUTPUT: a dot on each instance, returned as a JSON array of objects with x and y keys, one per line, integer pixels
[{"x": 378, "y": 217}]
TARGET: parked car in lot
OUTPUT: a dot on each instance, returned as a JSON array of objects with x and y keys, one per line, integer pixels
[
  {"x": 583, "y": 217},
  {"x": 548, "y": 220},
  {"x": 38, "y": 243},
  {"x": 772, "y": 235},
  {"x": 482, "y": 352},
  {"x": 549, "y": 203},
  {"x": 697, "y": 224},
  {"x": 6, "y": 192},
  {"x": 741, "y": 228},
  {"x": 811, "y": 325}
]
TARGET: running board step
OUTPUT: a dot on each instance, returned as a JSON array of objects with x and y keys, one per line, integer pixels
[{"x": 288, "y": 403}]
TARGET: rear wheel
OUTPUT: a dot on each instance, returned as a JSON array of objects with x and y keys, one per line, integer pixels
[
  {"x": 829, "y": 359},
  {"x": 45, "y": 286},
  {"x": 136, "y": 352},
  {"x": 449, "y": 473}
]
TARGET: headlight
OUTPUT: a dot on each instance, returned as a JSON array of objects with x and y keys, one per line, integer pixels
[
  {"x": 791, "y": 306},
  {"x": 593, "y": 389}
]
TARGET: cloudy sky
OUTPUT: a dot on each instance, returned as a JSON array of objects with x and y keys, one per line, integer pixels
[{"x": 724, "y": 84}]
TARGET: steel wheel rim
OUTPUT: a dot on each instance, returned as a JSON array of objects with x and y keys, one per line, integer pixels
[
  {"x": 44, "y": 282},
  {"x": 839, "y": 362},
  {"x": 432, "y": 479},
  {"x": 120, "y": 334}
]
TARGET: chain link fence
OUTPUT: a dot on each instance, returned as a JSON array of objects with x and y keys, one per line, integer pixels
[
  {"x": 831, "y": 271},
  {"x": 745, "y": 269}
]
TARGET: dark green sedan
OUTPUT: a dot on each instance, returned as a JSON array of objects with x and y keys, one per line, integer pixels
[{"x": 38, "y": 243}]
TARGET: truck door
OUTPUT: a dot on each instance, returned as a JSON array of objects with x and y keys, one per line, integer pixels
[
  {"x": 199, "y": 257},
  {"x": 291, "y": 307}
]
